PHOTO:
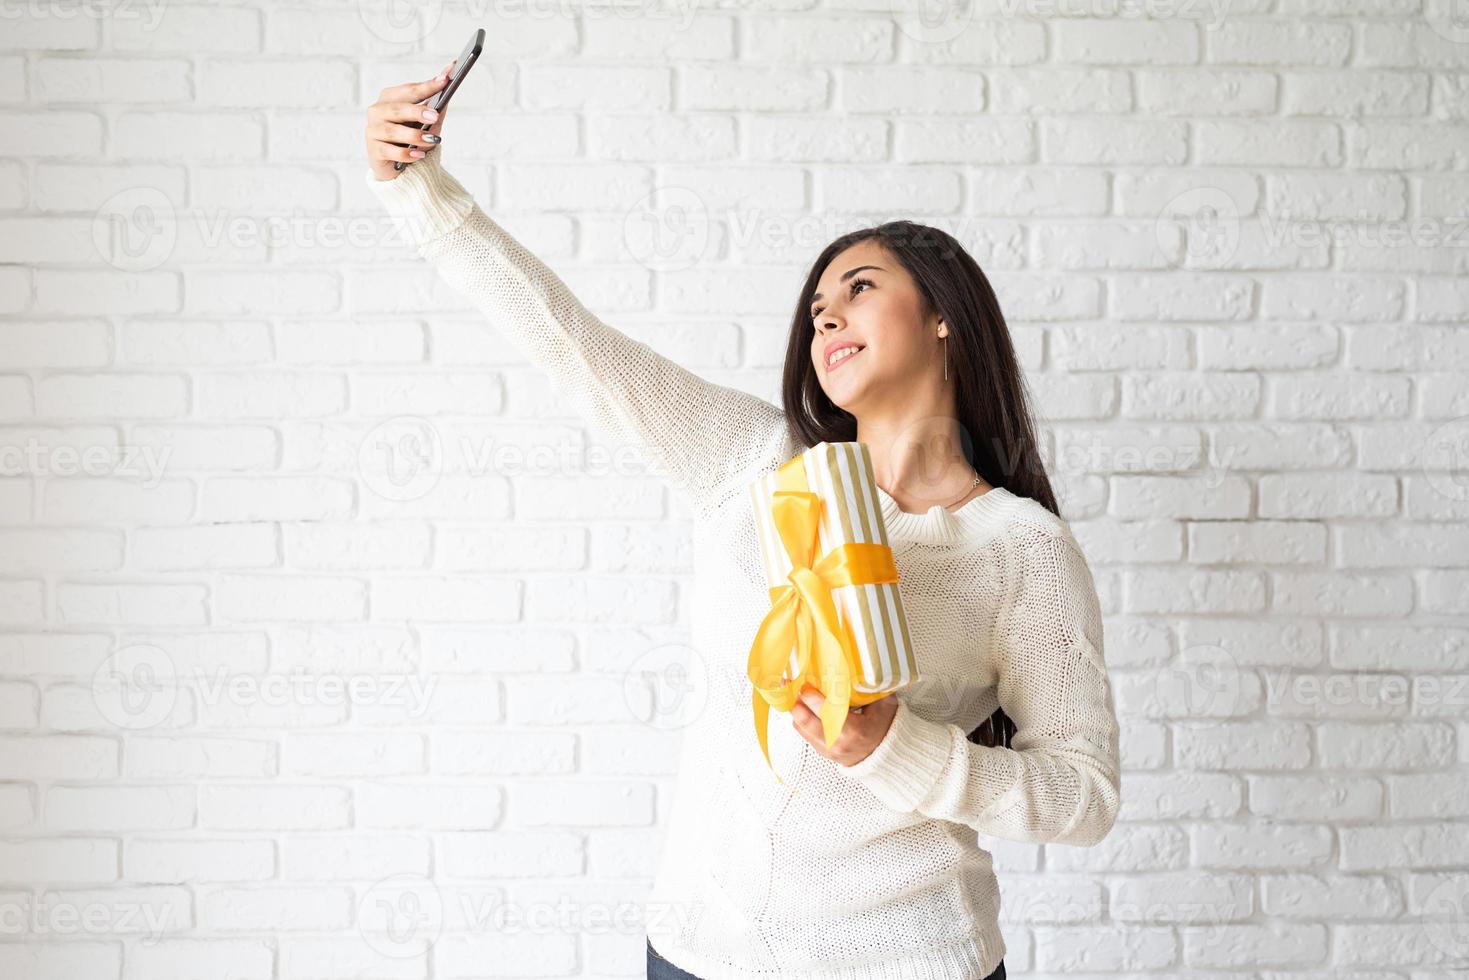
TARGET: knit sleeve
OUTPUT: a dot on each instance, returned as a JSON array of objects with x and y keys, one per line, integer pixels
[
  {"x": 1060, "y": 781},
  {"x": 692, "y": 432}
]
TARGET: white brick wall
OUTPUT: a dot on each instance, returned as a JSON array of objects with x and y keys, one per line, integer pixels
[{"x": 1232, "y": 240}]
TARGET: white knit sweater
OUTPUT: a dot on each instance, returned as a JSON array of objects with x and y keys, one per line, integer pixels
[{"x": 867, "y": 872}]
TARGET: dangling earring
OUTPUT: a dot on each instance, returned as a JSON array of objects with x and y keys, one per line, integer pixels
[{"x": 946, "y": 358}]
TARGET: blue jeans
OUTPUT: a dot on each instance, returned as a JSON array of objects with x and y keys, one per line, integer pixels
[{"x": 661, "y": 969}]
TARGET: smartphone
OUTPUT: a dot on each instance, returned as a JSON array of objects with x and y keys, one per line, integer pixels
[{"x": 465, "y": 61}]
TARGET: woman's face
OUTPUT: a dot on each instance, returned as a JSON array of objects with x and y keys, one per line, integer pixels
[{"x": 866, "y": 299}]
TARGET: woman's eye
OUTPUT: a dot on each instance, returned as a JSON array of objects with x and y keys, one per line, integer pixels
[{"x": 853, "y": 290}]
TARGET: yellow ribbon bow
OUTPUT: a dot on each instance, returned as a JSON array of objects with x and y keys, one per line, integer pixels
[{"x": 803, "y": 615}]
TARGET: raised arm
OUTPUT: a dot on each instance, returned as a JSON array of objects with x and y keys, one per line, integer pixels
[
  {"x": 697, "y": 434},
  {"x": 1061, "y": 780}
]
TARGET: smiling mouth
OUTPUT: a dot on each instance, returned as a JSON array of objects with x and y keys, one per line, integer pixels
[{"x": 833, "y": 367}]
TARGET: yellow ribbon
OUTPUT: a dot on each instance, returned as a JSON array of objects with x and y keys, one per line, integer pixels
[{"x": 803, "y": 614}]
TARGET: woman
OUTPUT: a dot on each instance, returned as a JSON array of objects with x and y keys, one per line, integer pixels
[{"x": 865, "y": 862}]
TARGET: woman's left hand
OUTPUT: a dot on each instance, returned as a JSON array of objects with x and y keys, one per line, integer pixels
[{"x": 860, "y": 735}]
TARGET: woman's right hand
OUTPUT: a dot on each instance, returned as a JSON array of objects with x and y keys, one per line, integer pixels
[{"x": 385, "y": 119}]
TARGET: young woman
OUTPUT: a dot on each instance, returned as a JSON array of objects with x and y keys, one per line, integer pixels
[{"x": 865, "y": 863}]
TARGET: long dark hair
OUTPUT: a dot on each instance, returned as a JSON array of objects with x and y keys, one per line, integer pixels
[{"x": 996, "y": 431}]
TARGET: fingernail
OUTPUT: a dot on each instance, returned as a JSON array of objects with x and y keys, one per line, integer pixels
[
  {"x": 430, "y": 115},
  {"x": 415, "y": 153},
  {"x": 432, "y": 138}
]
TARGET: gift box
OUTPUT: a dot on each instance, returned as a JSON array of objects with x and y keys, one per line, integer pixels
[{"x": 836, "y": 620}]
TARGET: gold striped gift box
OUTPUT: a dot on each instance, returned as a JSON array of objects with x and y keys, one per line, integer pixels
[{"x": 827, "y": 499}]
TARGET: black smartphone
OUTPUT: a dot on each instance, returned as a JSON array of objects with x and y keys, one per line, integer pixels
[{"x": 465, "y": 61}]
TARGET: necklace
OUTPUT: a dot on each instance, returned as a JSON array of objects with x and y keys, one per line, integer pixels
[{"x": 967, "y": 492}]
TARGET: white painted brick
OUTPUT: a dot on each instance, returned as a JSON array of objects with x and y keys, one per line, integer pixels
[
  {"x": 112, "y": 80},
  {"x": 926, "y": 190},
  {"x": 197, "y": 759},
  {"x": 773, "y": 87},
  {"x": 118, "y": 808},
  {"x": 170, "y": 136},
  {"x": 1180, "y": 92},
  {"x": 459, "y": 599},
  {"x": 284, "y": 498},
  {"x": 781, "y": 39},
  {"x": 276, "y": 84},
  {"x": 176, "y": 861},
  {"x": 73, "y": 550},
  {"x": 78, "y": 500},
  {"x": 1354, "y": 93},
  {"x": 813, "y": 139},
  {"x": 1063, "y": 90},
  {"x": 187, "y": 30},
  {"x": 69, "y": 133},
  {"x": 254, "y": 807},
  {"x": 1408, "y": 146},
  {"x": 106, "y": 293},
  {"x": 1114, "y": 141},
  {"x": 206, "y": 546},
  {"x": 184, "y": 957},
  {"x": 1339, "y": 594},
  {"x": 1181, "y": 297},
  {"x": 270, "y": 396},
  {"x": 948, "y": 140},
  {"x": 1039, "y": 191},
  {"x": 1243, "y": 42},
  {"x": 276, "y": 909},
  {"x": 439, "y": 806},
  {"x": 351, "y": 342},
  {"x": 1265, "y": 542},
  {"x": 322, "y": 857},
  {"x": 1339, "y": 396},
  {"x": 189, "y": 448},
  {"x": 131, "y": 604},
  {"x": 1238, "y": 347},
  {"x": 73, "y": 861},
  {"x": 84, "y": 187},
  {"x": 59, "y": 343},
  {"x": 356, "y": 545},
  {"x": 149, "y": 396},
  {"x": 1258, "y": 144},
  {"x": 264, "y": 598},
  {"x": 1125, "y": 41},
  {"x": 1190, "y": 395}
]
